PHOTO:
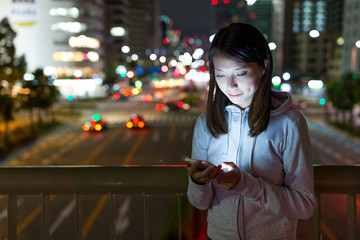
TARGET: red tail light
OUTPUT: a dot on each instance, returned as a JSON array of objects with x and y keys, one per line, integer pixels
[
  {"x": 136, "y": 120},
  {"x": 129, "y": 124},
  {"x": 141, "y": 124},
  {"x": 98, "y": 127},
  {"x": 159, "y": 106},
  {"x": 86, "y": 127},
  {"x": 180, "y": 104}
]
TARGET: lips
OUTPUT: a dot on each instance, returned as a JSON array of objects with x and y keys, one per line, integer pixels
[{"x": 235, "y": 95}]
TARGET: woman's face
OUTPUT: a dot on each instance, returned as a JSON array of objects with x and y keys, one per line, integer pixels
[{"x": 237, "y": 80}]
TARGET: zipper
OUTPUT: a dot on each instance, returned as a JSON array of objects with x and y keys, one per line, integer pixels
[{"x": 239, "y": 163}]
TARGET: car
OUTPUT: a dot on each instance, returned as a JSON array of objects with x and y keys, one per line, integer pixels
[
  {"x": 298, "y": 104},
  {"x": 136, "y": 121},
  {"x": 172, "y": 105},
  {"x": 96, "y": 124}
]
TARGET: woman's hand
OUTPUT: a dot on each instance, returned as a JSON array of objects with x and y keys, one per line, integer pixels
[
  {"x": 202, "y": 174},
  {"x": 230, "y": 179}
]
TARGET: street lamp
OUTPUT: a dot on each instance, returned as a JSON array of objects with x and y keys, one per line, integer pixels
[
  {"x": 272, "y": 46},
  {"x": 353, "y": 65}
]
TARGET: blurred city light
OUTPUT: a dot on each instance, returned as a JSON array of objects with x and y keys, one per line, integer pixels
[
  {"x": 314, "y": 33},
  {"x": 130, "y": 74},
  {"x": 153, "y": 57},
  {"x": 71, "y": 27},
  {"x": 322, "y": 101},
  {"x": 198, "y": 53},
  {"x": 134, "y": 57},
  {"x": 357, "y": 44},
  {"x": 93, "y": 56},
  {"x": 162, "y": 59},
  {"x": 64, "y": 12},
  {"x": 276, "y": 81},
  {"x": 315, "y": 84},
  {"x": 250, "y": 2},
  {"x": 96, "y": 117},
  {"x": 138, "y": 84},
  {"x": 285, "y": 87},
  {"x": 117, "y": 31},
  {"x": 286, "y": 76},
  {"x": 29, "y": 77},
  {"x": 164, "y": 68},
  {"x": 125, "y": 49},
  {"x": 173, "y": 63},
  {"x": 272, "y": 46},
  {"x": 340, "y": 41},
  {"x": 83, "y": 41},
  {"x": 121, "y": 70}
]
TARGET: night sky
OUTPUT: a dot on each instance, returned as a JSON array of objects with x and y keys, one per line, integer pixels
[{"x": 191, "y": 16}]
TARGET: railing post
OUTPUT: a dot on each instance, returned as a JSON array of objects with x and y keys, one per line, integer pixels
[
  {"x": 179, "y": 216},
  {"x": 351, "y": 217},
  {"x": 112, "y": 216},
  {"x": 146, "y": 216},
  {"x": 78, "y": 213},
  {"x": 45, "y": 234},
  {"x": 317, "y": 219},
  {"x": 12, "y": 216}
]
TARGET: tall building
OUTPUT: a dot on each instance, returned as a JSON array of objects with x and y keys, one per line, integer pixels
[
  {"x": 62, "y": 37},
  {"x": 260, "y": 15},
  {"x": 312, "y": 48},
  {"x": 116, "y": 29},
  {"x": 278, "y": 29},
  {"x": 351, "y": 34}
]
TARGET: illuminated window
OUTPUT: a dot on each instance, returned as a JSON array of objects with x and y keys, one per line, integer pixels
[
  {"x": 64, "y": 12},
  {"x": 68, "y": 56},
  {"x": 83, "y": 41},
  {"x": 71, "y": 27}
]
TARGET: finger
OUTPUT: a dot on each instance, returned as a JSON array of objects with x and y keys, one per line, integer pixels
[{"x": 215, "y": 173}]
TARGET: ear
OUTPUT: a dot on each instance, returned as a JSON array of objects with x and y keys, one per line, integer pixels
[{"x": 264, "y": 67}]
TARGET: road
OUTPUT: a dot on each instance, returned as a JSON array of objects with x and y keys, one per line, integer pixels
[{"x": 166, "y": 138}]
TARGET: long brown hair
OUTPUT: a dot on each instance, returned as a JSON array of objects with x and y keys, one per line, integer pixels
[{"x": 240, "y": 42}]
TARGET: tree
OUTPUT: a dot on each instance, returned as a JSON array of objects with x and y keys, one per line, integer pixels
[
  {"x": 39, "y": 95},
  {"x": 6, "y": 113},
  {"x": 11, "y": 70},
  {"x": 344, "y": 93}
]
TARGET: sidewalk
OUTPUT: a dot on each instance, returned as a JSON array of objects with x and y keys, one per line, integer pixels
[{"x": 316, "y": 120}]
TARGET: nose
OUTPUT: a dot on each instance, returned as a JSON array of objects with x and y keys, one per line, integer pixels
[{"x": 232, "y": 82}]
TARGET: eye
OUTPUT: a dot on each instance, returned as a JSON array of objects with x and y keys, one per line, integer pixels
[
  {"x": 241, "y": 74},
  {"x": 219, "y": 75}
]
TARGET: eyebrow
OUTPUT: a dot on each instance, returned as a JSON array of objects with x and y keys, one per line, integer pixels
[{"x": 239, "y": 68}]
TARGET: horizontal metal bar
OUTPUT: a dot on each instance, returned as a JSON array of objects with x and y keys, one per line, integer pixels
[
  {"x": 93, "y": 179},
  {"x": 139, "y": 179},
  {"x": 344, "y": 179}
]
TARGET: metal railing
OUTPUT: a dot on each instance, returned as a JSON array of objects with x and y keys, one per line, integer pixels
[
  {"x": 145, "y": 180},
  {"x": 334, "y": 179},
  {"x": 83, "y": 180}
]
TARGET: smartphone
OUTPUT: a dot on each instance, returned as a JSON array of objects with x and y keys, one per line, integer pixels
[
  {"x": 226, "y": 167},
  {"x": 202, "y": 166}
]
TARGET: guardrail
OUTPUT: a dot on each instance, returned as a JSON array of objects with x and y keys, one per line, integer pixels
[
  {"x": 339, "y": 180},
  {"x": 146, "y": 180},
  {"x": 82, "y": 180}
]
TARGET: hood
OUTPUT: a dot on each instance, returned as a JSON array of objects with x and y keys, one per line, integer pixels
[
  {"x": 239, "y": 128},
  {"x": 281, "y": 102}
]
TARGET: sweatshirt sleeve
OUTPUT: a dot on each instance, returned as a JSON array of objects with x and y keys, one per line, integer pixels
[
  {"x": 200, "y": 196},
  {"x": 295, "y": 198}
]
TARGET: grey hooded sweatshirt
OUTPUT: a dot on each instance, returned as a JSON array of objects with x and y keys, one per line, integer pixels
[{"x": 276, "y": 186}]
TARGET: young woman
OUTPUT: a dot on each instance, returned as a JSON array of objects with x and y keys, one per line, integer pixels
[{"x": 261, "y": 140}]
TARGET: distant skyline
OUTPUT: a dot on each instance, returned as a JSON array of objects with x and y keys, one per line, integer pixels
[{"x": 191, "y": 16}]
